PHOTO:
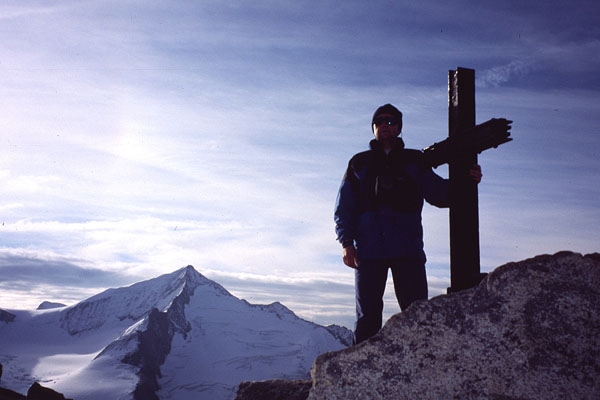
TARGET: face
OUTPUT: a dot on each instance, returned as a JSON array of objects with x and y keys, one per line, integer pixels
[{"x": 387, "y": 130}]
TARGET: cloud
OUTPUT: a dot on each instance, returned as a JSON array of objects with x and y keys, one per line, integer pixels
[
  {"x": 16, "y": 266},
  {"x": 29, "y": 277},
  {"x": 497, "y": 76}
]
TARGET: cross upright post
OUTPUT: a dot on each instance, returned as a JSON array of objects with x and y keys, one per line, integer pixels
[
  {"x": 464, "y": 214},
  {"x": 465, "y": 140}
]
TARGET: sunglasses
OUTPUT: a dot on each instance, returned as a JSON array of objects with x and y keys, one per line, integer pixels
[{"x": 385, "y": 120}]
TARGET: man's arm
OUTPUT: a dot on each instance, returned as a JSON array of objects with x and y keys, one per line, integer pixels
[
  {"x": 345, "y": 216},
  {"x": 436, "y": 189}
]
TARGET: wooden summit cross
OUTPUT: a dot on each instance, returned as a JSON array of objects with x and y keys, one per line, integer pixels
[{"x": 465, "y": 140}]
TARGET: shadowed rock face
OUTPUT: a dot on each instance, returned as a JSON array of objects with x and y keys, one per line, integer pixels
[{"x": 530, "y": 330}]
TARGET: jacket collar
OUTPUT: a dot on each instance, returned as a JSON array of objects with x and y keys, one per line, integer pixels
[{"x": 376, "y": 146}]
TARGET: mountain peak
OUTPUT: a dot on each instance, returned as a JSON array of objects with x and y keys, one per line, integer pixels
[
  {"x": 134, "y": 302},
  {"x": 179, "y": 335},
  {"x": 190, "y": 275}
]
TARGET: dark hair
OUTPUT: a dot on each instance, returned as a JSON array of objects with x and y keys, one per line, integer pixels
[{"x": 388, "y": 109}]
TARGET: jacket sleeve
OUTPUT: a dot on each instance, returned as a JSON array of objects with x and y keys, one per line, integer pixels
[
  {"x": 436, "y": 190},
  {"x": 346, "y": 208}
]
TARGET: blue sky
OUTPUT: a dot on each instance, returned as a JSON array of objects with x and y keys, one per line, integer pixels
[{"x": 142, "y": 136}]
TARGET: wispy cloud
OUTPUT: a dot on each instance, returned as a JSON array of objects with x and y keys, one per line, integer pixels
[{"x": 496, "y": 76}]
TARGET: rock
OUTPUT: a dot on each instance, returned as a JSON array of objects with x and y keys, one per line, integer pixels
[
  {"x": 530, "y": 330},
  {"x": 35, "y": 392},
  {"x": 39, "y": 392},
  {"x": 277, "y": 389},
  {"x": 6, "y": 394}
]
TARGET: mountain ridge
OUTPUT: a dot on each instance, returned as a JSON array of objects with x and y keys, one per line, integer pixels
[{"x": 179, "y": 333}]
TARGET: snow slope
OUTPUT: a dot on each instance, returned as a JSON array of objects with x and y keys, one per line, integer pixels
[{"x": 179, "y": 336}]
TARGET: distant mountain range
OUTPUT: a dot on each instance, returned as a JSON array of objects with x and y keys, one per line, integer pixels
[{"x": 178, "y": 336}]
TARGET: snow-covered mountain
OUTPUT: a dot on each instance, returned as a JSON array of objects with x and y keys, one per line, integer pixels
[{"x": 178, "y": 336}]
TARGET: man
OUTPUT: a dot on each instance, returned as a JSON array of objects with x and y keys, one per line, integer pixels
[{"x": 378, "y": 219}]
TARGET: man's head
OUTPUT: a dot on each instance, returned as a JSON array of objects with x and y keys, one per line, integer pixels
[
  {"x": 387, "y": 110},
  {"x": 386, "y": 125}
]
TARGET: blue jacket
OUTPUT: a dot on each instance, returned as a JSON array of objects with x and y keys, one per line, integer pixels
[{"x": 380, "y": 201}]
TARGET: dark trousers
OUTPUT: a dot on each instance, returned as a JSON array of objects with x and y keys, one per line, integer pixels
[{"x": 410, "y": 284}]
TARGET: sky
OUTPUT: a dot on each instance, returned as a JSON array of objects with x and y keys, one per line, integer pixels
[{"x": 139, "y": 137}]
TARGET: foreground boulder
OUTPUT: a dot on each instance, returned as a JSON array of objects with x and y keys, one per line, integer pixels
[{"x": 530, "y": 330}]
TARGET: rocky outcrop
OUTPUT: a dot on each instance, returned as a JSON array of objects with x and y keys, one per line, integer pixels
[
  {"x": 35, "y": 392},
  {"x": 7, "y": 394},
  {"x": 276, "y": 389},
  {"x": 341, "y": 333},
  {"x": 39, "y": 392},
  {"x": 154, "y": 343},
  {"x": 530, "y": 330}
]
